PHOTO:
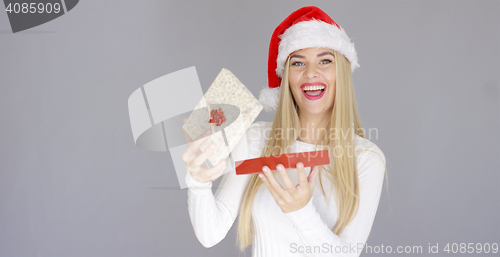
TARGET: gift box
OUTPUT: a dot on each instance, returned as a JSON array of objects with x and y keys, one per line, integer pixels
[{"x": 228, "y": 109}]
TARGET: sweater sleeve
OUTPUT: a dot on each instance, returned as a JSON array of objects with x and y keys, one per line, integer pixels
[
  {"x": 313, "y": 230},
  {"x": 213, "y": 215}
]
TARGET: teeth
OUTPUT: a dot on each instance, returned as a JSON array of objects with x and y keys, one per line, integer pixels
[{"x": 313, "y": 87}]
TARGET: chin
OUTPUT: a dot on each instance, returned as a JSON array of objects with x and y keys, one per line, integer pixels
[{"x": 316, "y": 111}]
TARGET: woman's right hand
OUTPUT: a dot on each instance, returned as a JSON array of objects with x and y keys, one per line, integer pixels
[{"x": 195, "y": 159}]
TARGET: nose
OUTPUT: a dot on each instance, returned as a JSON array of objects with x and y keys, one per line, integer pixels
[{"x": 311, "y": 72}]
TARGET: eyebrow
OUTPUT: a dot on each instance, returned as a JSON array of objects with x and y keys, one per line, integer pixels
[
  {"x": 325, "y": 53},
  {"x": 319, "y": 55}
]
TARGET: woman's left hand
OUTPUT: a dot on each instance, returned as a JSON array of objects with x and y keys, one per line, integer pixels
[{"x": 292, "y": 197}]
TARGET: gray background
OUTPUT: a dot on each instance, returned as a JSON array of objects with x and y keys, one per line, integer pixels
[{"x": 72, "y": 182}]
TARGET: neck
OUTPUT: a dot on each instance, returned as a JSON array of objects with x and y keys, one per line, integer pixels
[{"x": 312, "y": 126}]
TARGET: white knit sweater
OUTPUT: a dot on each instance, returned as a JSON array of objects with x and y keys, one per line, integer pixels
[{"x": 304, "y": 232}]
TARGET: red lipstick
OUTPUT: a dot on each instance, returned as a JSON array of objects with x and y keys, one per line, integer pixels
[{"x": 313, "y": 97}]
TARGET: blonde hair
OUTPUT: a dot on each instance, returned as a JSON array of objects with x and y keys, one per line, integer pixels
[{"x": 345, "y": 124}]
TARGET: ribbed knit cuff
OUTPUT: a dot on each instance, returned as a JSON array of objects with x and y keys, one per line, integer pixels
[
  {"x": 197, "y": 186},
  {"x": 301, "y": 217}
]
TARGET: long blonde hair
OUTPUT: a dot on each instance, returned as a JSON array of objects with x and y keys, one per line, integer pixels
[{"x": 344, "y": 123}]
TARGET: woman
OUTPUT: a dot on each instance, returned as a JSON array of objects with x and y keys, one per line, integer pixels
[{"x": 323, "y": 211}]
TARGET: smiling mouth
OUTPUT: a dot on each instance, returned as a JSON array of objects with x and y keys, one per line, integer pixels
[{"x": 313, "y": 90}]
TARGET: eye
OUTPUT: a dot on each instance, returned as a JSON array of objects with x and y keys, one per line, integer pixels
[
  {"x": 297, "y": 63},
  {"x": 325, "y": 61}
]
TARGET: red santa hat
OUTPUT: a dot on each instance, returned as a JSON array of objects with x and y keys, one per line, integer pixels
[{"x": 306, "y": 27}]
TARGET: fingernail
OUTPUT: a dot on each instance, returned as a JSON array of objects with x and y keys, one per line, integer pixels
[
  {"x": 266, "y": 169},
  {"x": 260, "y": 176}
]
